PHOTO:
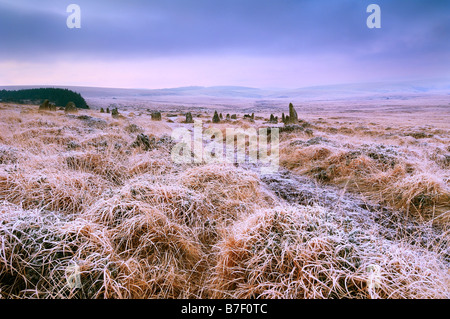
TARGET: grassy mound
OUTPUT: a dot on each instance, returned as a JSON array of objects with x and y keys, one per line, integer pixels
[
  {"x": 40, "y": 251},
  {"x": 381, "y": 173},
  {"x": 303, "y": 252},
  {"x": 231, "y": 191}
]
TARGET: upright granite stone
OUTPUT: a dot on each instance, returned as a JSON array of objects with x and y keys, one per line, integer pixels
[
  {"x": 45, "y": 106},
  {"x": 71, "y": 108},
  {"x": 216, "y": 118},
  {"x": 115, "y": 112},
  {"x": 189, "y": 118},
  {"x": 293, "y": 117},
  {"x": 156, "y": 116}
]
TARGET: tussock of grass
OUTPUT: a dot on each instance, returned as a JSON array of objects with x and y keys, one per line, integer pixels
[
  {"x": 230, "y": 190},
  {"x": 379, "y": 172},
  {"x": 147, "y": 164},
  {"x": 288, "y": 252},
  {"x": 39, "y": 247},
  {"x": 99, "y": 164},
  {"x": 53, "y": 191},
  {"x": 168, "y": 252},
  {"x": 180, "y": 202},
  {"x": 8, "y": 155},
  {"x": 106, "y": 140},
  {"x": 421, "y": 195},
  {"x": 152, "y": 234}
]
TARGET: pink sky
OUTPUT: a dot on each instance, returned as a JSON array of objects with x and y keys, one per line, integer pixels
[{"x": 283, "y": 72}]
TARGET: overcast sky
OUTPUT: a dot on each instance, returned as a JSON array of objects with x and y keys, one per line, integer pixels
[{"x": 256, "y": 43}]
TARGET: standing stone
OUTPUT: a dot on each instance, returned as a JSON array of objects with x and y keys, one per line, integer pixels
[
  {"x": 115, "y": 112},
  {"x": 273, "y": 119},
  {"x": 293, "y": 117},
  {"x": 71, "y": 108},
  {"x": 189, "y": 118},
  {"x": 156, "y": 116},
  {"x": 44, "y": 106},
  {"x": 216, "y": 118}
]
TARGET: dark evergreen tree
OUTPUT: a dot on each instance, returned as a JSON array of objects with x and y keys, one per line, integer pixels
[{"x": 59, "y": 97}]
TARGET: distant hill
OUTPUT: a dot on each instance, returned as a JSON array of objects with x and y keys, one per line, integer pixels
[
  {"x": 60, "y": 97},
  {"x": 250, "y": 99}
]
